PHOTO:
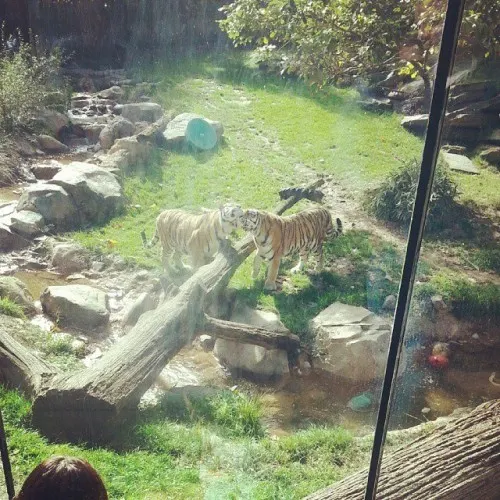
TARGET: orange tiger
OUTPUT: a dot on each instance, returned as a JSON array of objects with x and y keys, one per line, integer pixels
[
  {"x": 197, "y": 235},
  {"x": 277, "y": 236}
]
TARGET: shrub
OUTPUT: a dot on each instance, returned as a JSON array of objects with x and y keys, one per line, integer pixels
[
  {"x": 27, "y": 80},
  {"x": 394, "y": 199},
  {"x": 10, "y": 308}
]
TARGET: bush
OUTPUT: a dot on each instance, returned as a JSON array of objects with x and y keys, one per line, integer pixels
[
  {"x": 27, "y": 80},
  {"x": 394, "y": 199},
  {"x": 10, "y": 308}
]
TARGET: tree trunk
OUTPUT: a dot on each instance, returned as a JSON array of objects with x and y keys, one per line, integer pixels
[
  {"x": 457, "y": 462},
  {"x": 21, "y": 369},
  {"x": 91, "y": 404}
]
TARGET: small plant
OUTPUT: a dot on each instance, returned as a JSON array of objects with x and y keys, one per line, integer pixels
[
  {"x": 10, "y": 308},
  {"x": 27, "y": 80},
  {"x": 238, "y": 413},
  {"x": 394, "y": 199}
]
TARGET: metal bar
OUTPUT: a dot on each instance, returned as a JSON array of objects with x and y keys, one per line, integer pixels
[
  {"x": 447, "y": 51},
  {"x": 7, "y": 471}
]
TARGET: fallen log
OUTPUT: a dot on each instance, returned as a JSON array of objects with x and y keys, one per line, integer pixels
[
  {"x": 19, "y": 367},
  {"x": 247, "y": 334},
  {"x": 459, "y": 461},
  {"x": 89, "y": 405}
]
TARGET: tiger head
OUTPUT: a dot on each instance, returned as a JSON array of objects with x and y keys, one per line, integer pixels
[
  {"x": 230, "y": 214},
  {"x": 250, "y": 221}
]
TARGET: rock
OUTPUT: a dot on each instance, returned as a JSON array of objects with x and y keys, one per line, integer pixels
[
  {"x": 252, "y": 359},
  {"x": 416, "y": 124},
  {"x": 255, "y": 317},
  {"x": 52, "y": 202},
  {"x": 46, "y": 170},
  {"x": 389, "y": 303},
  {"x": 116, "y": 161},
  {"x": 469, "y": 120},
  {"x": 141, "y": 111},
  {"x": 95, "y": 191},
  {"x": 351, "y": 342},
  {"x": 146, "y": 301},
  {"x": 175, "y": 133},
  {"x": 91, "y": 131},
  {"x": 28, "y": 224},
  {"x": 452, "y": 148},
  {"x": 413, "y": 88},
  {"x": 70, "y": 258},
  {"x": 438, "y": 303},
  {"x": 138, "y": 152},
  {"x": 10, "y": 240},
  {"x": 77, "y": 306},
  {"x": 53, "y": 121},
  {"x": 491, "y": 155},
  {"x": 207, "y": 342},
  {"x": 117, "y": 129},
  {"x": 16, "y": 290},
  {"x": 376, "y": 105},
  {"x": 51, "y": 145},
  {"x": 493, "y": 137},
  {"x": 459, "y": 163},
  {"x": 79, "y": 118},
  {"x": 114, "y": 93}
]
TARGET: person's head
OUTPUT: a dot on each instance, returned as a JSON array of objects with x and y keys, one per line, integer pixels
[{"x": 63, "y": 478}]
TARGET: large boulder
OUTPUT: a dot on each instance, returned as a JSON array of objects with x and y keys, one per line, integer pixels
[
  {"x": 114, "y": 93},
  {"x": 52, "y": 202},
  {"x": 51, "y": 145},
  {"x": 137, "y": 152},
  {"x": 26, "y": 223},
  {"x": 53, "y": 121},
  {"x": 10, "y": 240},
  {"x": 95, "y": 191},
  {"x": 70, "y": 258},
  {"x": 491, "y": 155},
  {"x": 16, "y": 290},
  {"x": 117, "y": 129},
  {"x": 140, "y": 111},
  {"x": 416, "y": 124},
  {"x": 251, "y": 359},
  {"x": 77, "y": 306},
  {"x": 175, "y": 133},
  {"x": 351, "y": 342}
]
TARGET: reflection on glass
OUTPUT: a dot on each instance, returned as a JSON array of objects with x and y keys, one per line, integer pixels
[{"x": 161, "y": 138}]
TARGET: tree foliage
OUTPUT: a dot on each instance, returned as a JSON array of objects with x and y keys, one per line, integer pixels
[
  {"x": 27, "y": 78},
  {"x": 332, "y": 40}
]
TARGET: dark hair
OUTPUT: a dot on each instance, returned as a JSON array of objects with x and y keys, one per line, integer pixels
[{"x": 63, "y": 478}]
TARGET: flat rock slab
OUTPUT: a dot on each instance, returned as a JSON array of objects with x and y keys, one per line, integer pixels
[
  {"x": 416, "y": 124},
  {"x": 460, "y": 163},
  {"x": 78, "y": 306},
  {"x": 140, "y": 111}
]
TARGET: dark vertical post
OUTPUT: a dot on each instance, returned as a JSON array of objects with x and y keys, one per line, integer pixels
[
  {"x": 7, "y": 471},
  {"x": 447, "y": 51}
]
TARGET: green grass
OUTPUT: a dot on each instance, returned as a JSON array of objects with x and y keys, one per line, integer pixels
[
  {"x": 164, "y": 458},
  {"x": 467, "y": 299},
  {"x": 360, "y": 270},
  {"x": 274, "y": 129},
  {"x": 10, "y": 308}
]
